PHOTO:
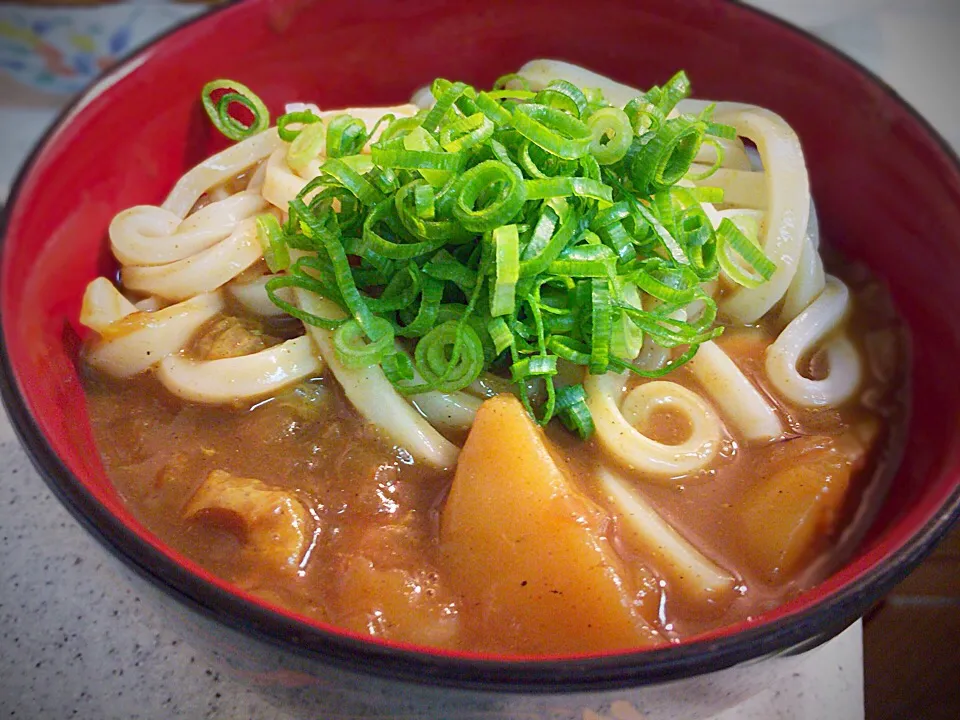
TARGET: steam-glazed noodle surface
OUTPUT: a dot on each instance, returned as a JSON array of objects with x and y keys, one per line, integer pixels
[{"x": 707, "y": 495}]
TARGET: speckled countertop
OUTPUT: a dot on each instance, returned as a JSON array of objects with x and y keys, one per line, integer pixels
[{"x": 76, "y": 639}]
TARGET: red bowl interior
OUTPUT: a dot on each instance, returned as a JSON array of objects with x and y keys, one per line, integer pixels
[{"x": 886, "y": 187}]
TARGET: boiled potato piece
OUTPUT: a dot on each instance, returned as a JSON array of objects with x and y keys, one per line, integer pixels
[
  {"x": 397, "y": 604},
  {"x": 791, "y": 515},
  {"x": 527, "y": 550}
]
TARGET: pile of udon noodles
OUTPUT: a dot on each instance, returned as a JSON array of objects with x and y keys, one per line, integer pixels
[{"x": 183, "y": 265}]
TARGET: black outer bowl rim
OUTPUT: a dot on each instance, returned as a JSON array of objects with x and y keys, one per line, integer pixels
[{"x": 798, "y": 632}]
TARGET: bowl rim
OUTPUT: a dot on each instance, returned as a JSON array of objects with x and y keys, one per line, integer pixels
[{"x": 796, "y": 631}]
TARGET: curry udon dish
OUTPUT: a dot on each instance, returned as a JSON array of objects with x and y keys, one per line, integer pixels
[{"x": 550, "y": 368}]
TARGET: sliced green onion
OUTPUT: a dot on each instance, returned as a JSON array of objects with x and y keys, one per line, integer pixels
[
  {"x": 493, "y": 110},
  {"x": 508, "y": 94},
  {"x": 668, "y": 155},
  {"x": 399, "y": 128},
  {"x": 507, "y": 252},
  {"x": 349, "y": 342},
  {"x": 584, "y": 261},
  {"x": 571, "y": 407},
  {"x": 443, "y": 103},
  {"x": 536, "y": 366},
  {"x": 563, "y": 95},
  {"x": 717, "y": 130},
  {"x": 511, "y": 79},
  {"x": 735, "y": 241},
  {"x": 716, "y": 165},
  {"x": 668, "y": 283},
  {"x": 443, "y": 266},
  {"x": 303, "y": 117},
  {"x": 429, "y": 310},
  {"x": 553, "y": 130},
  {"x": 449, "y": 357},
  {"x": 346, "y": 135},
  {"x": 567, "y": 187},
  {"x": 500, "y": 334},
  {"x": 398, "y": 367},
  {"x": 388, "y": 248},
  {"x": 306, "y": 147},
  {"x": 644, "y": 116},
  {"x": 358, "y": 184},
  {"x": 676, "y": 89},
  {"x": 569, "y": 349},
  {"x": 417, "y": 159},
  {"x": 601, "y": 318},
  {"x": 626, "y": 339},
  {"x": 612, "y": 135},
  {"x": 466, "y": 133},
  {"x": 423, "y": 200},
  {"x": 275, "y": 251},
  {"x": 713, "y": 195},
  {"x": 421, "y": 228},
  {"x": 305, "y": 283},
  {"x": 219, "y": 112},
  {"x": 400, "y": 292},
  {"x": 341, "y": 267},
  {"x": 419, "y": 139},
  {"x": 509, "y": 196},
  {"x": 555, "y": 244}
]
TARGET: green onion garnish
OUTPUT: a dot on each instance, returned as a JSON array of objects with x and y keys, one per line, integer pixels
[
  {"x": 275, "y": 251},
  {"x": 506, "y": 243},
  {"x": 302, "y": 117},
  {"x": 506, "y": 231},
  {"x": 737, "y": 241},
  {"x": 219, "y": 111}
]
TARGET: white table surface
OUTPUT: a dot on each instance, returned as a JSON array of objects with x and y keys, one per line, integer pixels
[{"x": 76, "y": 641}]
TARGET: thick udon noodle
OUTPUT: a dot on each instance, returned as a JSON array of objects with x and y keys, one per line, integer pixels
[{"x": 185, "y": 265}]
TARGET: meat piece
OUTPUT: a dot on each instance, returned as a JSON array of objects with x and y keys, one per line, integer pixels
[
  {"x": 228, "y": 336},
  {"x": 269, "y": 424},
  {"x": 272, "y": 523}
]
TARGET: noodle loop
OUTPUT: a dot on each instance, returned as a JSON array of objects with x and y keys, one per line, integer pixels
[
  {"x": 219, "y": 169},
  {"x": 148, "y": 235},
  {"x": 240, "y": 378},
  {"x": 800, "y": 338},
  {"x": 616, "y": 418},
  {"x": 788, "y": 193},
  {"x": 203, "y": 272}
]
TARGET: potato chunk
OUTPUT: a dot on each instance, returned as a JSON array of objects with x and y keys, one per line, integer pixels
[
  {"x": 527, "y": 550},
  {"x": 788, "y": 517},
  {"x": 396, "y": 603},
  {"x": 272, "y": 523}
]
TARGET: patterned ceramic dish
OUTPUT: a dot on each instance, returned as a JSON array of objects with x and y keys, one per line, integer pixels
[{"x": 60, "y": 49}]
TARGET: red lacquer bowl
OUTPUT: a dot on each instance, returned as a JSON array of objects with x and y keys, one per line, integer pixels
[{"x": 887, "y": 190}]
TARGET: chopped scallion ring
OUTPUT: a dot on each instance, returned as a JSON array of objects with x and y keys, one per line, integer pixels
[{"x": 220, "y": 115}]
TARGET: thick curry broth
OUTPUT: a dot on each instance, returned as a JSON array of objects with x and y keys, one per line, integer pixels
[{"x": 371, "y": 506}]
